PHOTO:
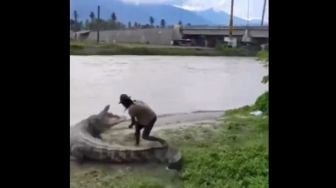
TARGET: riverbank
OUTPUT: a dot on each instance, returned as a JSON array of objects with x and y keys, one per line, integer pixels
[
  {"x": 231, "y": 152},
  {"x": 91, "y": 48}
]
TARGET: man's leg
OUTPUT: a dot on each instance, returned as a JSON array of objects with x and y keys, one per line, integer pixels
[
  {"x": 137, "y": 133},
  {"x": 148, "y": 129}
]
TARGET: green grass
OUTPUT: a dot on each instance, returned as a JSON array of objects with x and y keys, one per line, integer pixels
[
  {"x": 233, "y": 154},
  {"x": 240, "y": 51},
  {"x": 90, "y": 48},
  {"x": 262, "y": 55},
  {"x": 103, "y": 178},
  {"x": 262, "y": 103}
]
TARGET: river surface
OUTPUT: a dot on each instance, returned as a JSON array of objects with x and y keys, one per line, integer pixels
[{"x": 169, "y": 84}]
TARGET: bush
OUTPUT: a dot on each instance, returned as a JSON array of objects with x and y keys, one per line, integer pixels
[
  {"x": 76, "y": 46},
  {"x": 262, "y": 103},
  {"x": 262, "y": 55},
  {"x": 240, "y": 51}
]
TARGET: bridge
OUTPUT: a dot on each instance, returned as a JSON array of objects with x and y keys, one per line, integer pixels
[
  {"x": 209, "y": 36},
  {"x": 254, "y": 31}
]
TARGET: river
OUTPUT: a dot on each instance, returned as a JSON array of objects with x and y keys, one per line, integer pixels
[{"x": 169, "y": 84}]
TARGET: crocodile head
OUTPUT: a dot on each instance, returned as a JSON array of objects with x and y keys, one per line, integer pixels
[{"x": 104, "y": 120}]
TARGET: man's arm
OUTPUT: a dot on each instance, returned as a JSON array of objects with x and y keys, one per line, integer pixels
[{"x": 132, "y": 123}]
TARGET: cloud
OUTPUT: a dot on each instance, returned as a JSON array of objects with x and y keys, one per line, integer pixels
[
  {"x": 246, "y": 9},
  {"x": 149, "y": 1},
  {"x": 240, "y": 6}
]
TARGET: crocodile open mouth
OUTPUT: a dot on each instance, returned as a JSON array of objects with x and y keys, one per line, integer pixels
[{"x": 114, "y": 119}]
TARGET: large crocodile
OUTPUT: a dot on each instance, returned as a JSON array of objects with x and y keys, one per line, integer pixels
[{"x": 86, "y": 143}]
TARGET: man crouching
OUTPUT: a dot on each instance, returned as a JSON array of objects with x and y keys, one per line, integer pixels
[{"x": 142, "y": 116}]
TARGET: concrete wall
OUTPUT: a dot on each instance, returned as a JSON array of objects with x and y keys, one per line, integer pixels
[
  {"x": 253, "y": 33},
  {"x": 152, "y": 36},
  {"x": 72, "y": 35}
]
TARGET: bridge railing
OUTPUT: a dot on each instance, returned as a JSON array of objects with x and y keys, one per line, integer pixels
[{"x": 224, "y": 27}]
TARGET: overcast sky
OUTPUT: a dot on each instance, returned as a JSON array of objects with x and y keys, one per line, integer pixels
[{"x": 240, "y": 6}]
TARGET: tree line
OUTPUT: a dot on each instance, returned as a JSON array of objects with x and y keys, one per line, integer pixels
[{"x": 111, "y": 23}]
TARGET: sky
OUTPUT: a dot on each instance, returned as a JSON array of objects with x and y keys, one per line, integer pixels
[{"x": 247, "y": 9}]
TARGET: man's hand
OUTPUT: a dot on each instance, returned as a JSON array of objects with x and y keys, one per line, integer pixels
[{"x": 133, "y": 122}]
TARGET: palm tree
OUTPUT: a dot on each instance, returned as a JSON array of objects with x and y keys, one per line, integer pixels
[
  {"x": 92, "y": 16},
  {"x": 72, "y": 22},
  {"x": 163, "y": 23},
  {"x": 151, "y": 20},
  {"x": 76, "y": 24},
  {"x": 86, "y": 23},
  {"x": 75, "y": 15},
  {"x": 114, "y": 17}
]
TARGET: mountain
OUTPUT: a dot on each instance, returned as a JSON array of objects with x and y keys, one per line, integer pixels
[
  {"x": 126, "y": 12},
  {"x": 220, "y": 17},
  {"x": 135, "y": 13},
  {"x": 223, "y": 18}
]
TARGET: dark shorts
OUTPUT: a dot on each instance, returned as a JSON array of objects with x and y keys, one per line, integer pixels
[{"x": 148, "y": 128}]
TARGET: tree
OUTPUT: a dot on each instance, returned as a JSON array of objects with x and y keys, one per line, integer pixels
[
  {"x": 92, "y": 16},
  {"x": 87, "y": 24},
  {"x": 113, "y": 17},
  {"x": 180, "y": 23},
  {"x": 76, "y": 26},
  {"x": 151, "y": 20},
  {"x": 80, "y": 25},
  {"x": 163, "y": 23},
  {"x": 120, "y": 25},
  {"x": 112, "y": 23},
  {"x": 75, "y": 15},
  {"x": 72, "y": 24}
]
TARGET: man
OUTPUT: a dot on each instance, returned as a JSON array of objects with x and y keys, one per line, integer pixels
[{"x": 142, "y": 116}]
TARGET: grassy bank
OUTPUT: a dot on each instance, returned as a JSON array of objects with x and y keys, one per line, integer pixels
[
  {"x": 232, "y": 153},
  {"x": 262, "y": 55},
  {"x": 90, "y": 48}
]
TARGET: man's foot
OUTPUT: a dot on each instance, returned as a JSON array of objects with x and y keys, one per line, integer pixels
[{"x": 177, "y": 165}]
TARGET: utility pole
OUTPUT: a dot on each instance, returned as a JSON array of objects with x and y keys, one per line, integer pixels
[
  {"x": 230, "y": 39},
  {"x": 248, "y": 13},
  {"x": 263, "y": 13},
  {"x": 231, "y": 20},
  {"x": 98, "y": 20}
]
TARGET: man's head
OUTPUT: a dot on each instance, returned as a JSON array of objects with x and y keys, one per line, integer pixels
[{"x": 125, "y": 100}]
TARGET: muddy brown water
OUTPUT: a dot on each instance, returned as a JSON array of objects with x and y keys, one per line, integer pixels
[{"x": 169, "y": 84}]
